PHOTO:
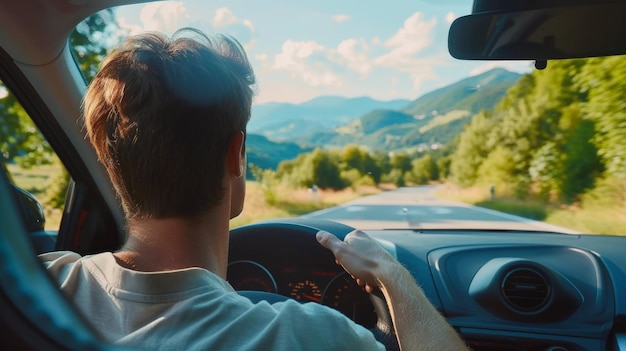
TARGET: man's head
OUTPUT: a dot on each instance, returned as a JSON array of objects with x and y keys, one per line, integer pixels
[{"x": 162, "y": 114}]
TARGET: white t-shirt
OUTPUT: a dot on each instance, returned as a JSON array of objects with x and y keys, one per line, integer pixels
[{"x": 194, "y": 309}]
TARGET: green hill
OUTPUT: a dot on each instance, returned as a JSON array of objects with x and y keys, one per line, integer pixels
[
  {"x": 267, "y": 154},
  {"x": 288, "y": 122},
  {"x": 434, "y": 118},
  {"x": 375, "y": 120},
  {"x": 475, "y": 93}
]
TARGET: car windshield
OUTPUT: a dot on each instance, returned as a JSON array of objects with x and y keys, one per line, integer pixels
[{"x": 359, "y": 104}]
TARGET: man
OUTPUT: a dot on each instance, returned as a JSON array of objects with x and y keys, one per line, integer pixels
[{"x": 168, "y": 119}]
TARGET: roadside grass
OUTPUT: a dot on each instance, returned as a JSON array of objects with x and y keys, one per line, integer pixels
[
  {"x": 288, "y": 202},
  {"x": 596, "y": 220},
  {"x": 35, "y": 180},
  {"x": 588, "y": 219},
  {"x": 291, "y": 203},
  {"x": 530, "y": 210}
]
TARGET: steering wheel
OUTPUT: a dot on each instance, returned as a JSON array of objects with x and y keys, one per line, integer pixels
[{"x": 298, "y": 235}]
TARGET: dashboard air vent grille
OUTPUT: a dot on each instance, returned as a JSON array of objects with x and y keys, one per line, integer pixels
[{"x": 525, "y": 290}]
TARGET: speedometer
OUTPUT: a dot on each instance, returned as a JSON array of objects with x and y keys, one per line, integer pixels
[
  {"x": 346, "y": 296},
  {"x": 306, "y": 290}
]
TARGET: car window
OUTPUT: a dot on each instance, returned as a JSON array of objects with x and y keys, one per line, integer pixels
[{"x": 38, "y": 177}]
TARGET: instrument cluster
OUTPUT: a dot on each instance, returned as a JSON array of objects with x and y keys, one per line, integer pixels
[{"x": 330, "y": 286}]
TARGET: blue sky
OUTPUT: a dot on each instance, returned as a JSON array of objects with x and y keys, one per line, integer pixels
[{"x": 386, "y": 49}]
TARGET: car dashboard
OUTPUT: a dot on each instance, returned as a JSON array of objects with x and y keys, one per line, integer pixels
[{"x": 502, "y": 290}]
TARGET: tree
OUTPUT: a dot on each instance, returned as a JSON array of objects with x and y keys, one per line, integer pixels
[
  {"x": 268, "y": 180},
  {"x": 20, "y": 141},
  {"x": 443, "y": 167},
  {"x": 400, "y": 161},
  {"x": 355, "y": 158},
  {"x": 497, "y": 169},
  {"x": 318, "y": 167},
  {"x": 471, "y": 149},
  {"x": 535, "y": 137},
  {"x": 424, "y": 169},
  {"x": 602, "y": 79},
  {"x": 92, "y": 38}
]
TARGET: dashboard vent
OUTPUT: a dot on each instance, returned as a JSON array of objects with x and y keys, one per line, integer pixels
[{"x": 525, "y": 290}]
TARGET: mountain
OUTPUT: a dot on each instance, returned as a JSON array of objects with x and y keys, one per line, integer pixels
[
  {"x": 285, "y": 121},
  {"x": 375, "y": 127},
  {"x": 480, "y": 92},
  {"x": 434, "y": 118},
  {"x": 267, "y": 154}
]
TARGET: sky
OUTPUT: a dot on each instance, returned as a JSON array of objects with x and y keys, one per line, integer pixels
[{"x": 386, "y": 49}]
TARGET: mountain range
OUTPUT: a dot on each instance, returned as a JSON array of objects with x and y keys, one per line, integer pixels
[
  {"x": 285, "y": 121},
  {"x": 435, "y": 118}
]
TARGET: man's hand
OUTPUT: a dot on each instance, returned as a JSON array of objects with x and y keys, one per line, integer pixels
[
  {"x": 418, "y": 325},
  {"x": 361, "y": 256}
]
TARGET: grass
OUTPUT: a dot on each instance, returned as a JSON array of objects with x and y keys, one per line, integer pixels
[
  {"x": 288, "y": 202},
  {"x": 291, "y": 203},
  {"x": 530, "y": 210},
  {"x": 610, "y": 221},
  {"x": 35, "y": 180},
  {"x": 589, "y": 219}
]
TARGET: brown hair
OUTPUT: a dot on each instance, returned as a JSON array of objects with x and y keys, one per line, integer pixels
[{"x": 161, "y": 113}]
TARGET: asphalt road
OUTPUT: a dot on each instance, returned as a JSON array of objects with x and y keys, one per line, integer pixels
[{"x": 420, "y": 208}]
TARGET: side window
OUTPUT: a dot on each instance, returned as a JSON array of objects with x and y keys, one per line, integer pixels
[{"x": 39, "y": 178}]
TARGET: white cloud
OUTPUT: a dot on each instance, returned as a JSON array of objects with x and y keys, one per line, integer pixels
[
  {"x": 353, "y": 54},
  {"x": 413, "y": 37},
  {"x": 223, "y": 17},
  {"x": 225, "y": 21},
  {"x": 405, "y": 45},
  {"x": 341, "y": 18},
  {"x": 164, "y": 17},
  {"x": 296, "y": 58},
  {"x": 450, "y": 17},
  {"x": 129, "y": 27},
  {"x": 400, "y": 58},
  {"x": 248, "y": 24}
]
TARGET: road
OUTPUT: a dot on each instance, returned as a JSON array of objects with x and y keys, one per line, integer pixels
[{"x": 420, "y": 208}]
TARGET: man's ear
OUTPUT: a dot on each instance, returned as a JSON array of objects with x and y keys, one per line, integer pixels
[{"x": 236, "y": 157}]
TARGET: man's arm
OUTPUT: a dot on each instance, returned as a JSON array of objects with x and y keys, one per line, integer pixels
[{"x": 419, "y": 326}]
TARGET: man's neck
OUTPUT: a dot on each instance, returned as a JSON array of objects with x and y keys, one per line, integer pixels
[{"x": 177, "y": 243}]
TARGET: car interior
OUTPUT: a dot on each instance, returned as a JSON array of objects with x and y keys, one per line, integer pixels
[{"x": 501, "y": 290}]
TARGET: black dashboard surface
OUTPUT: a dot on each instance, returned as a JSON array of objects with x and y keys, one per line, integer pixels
[{"x": 503, "y": 290}]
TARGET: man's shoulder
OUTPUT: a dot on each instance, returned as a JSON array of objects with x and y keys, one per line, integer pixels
[
  {"x": 59, "y": 257},
  {"x": 58, "y": 260},
  {"x": 64, "y": 266}
]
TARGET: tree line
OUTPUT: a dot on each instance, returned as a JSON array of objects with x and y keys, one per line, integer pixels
[
  {"x": 559, "y": 133},
  {"x": 353, "y": 166}
]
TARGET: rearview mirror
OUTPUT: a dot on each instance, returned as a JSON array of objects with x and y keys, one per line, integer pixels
[{"x": 590, "y": 30}]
